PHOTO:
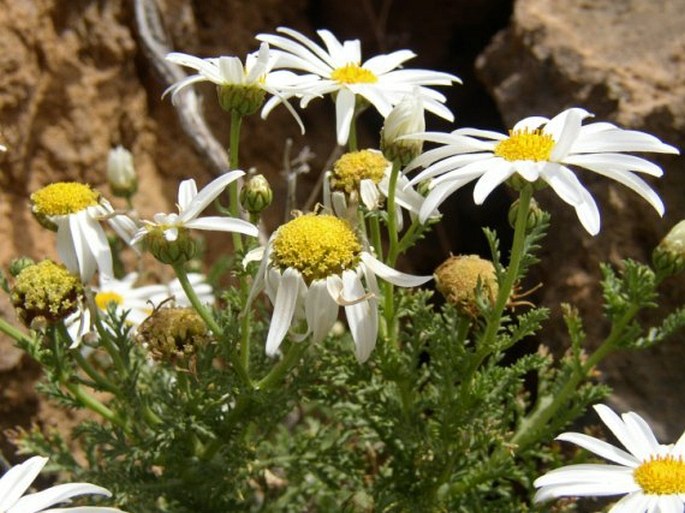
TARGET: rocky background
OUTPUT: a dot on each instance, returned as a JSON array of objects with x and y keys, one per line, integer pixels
[{"x": 75, "y": 81}]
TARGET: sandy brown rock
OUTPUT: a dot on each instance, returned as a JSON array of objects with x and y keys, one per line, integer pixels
[{"x": 622, "y": 61}]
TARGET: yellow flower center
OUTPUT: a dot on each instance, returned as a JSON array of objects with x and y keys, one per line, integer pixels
[
  {"x": 355, "y": 166},
  {"x": 352, "y": 73},
  {"x": 662, "y": 475},
  {"x": 525, "y": 145},
  {"x": 64, "y": 198},
  {"x": 316, "y": 245},
  {"x": 105, "y": 298}
]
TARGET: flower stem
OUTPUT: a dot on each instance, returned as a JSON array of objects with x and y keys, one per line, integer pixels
[
  {"x": 278, "y": 372},
  {"x": 352, "y": 139},
  {"x": 12, "y": 332},
  {"x": 233, "y": 192},
  {"x": 195, "y": 301}
]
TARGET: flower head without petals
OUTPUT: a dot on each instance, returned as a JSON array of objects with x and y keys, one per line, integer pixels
[
  {"x": 338, "y": 69},
  {"x": 539, "y": 149},
  {"x": 16, "y": 481},
  {"x": 650, "y": 476},
  {"x": 314, "y": 264}
]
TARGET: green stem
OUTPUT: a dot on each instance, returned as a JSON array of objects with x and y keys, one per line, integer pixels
[
  {"x": 106, "y": 342},
  {"x": 389, "y": 289},
  {"x": 352, "y": 139},
  {"x": 195, "y": 301},
  {"x": 12, "y": 332},
  {"x": 278, "y": 372},
  {"x": 375, "y": 230},
  {"x": 233, "y": 192},
  {"x": 506, "y": 287},
  {"x": 93, "y": 374},
  {"x": 547, "y": 406},
  {"x": 94, "y": 405}
]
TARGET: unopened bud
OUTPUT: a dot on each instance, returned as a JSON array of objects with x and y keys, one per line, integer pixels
[
  {"x": 245, "y": 100},
  {"x": 121, "y": 173},
  {"x": 535, "y": 214},
  {"x": 669, "y": 255},
  {"x": 19, "y": 264},
  {"x": 459, "y": 277},
  {"x": 407, "y": 117},
  {"x": 256, "y": 194},
  {"x": 45, "y": 293}
]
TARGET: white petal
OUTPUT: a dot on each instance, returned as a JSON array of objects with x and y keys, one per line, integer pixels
[
  {"x": 231, "y": 70},
  {"x": 498, "y": 173},
  {"x": 601, "y": 448},
  {"x": 369, "y": 194},
  {"x": 613, "y": 139},
  {"x": 619, "y": 429},
  {"x": 381, "y": 64},
  {"x": 392, "y": 275},
  {"x": 39, "y": 501},
  {"x": 223, "y": 224},
  {"x": 613, "y": 161},
  {"x": 95, "y": 238},
  {"x": 362, "y": 317},
  {"x": 208, "y": 194},
  {"x": 438, "y": 195},
  {"x": 641, "y": 432},
  {"x": 601, "y": 489},
  {"x": 284, "y": 309},
  {"x": 320, "y": 309},
  {"x": 531, "y": 123},
  {"x": 564, "y": 129},
  {"x": 187, "y": 190},
  {"x": 631, "y": 503},
  {"x": 65, "y": 246},
  {"x": 16, "y": 480},
  {"x": 344, "y": 113}
]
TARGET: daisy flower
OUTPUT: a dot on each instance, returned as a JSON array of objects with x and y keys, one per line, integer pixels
[
  {"x": 164, "y": 230},
  {"x": 338, "y": 69},
  {"x": 75, "y": 211},
  {"x": 538, "y": 148},
  {"x": 651, "y": 476},
  {"x": 241, "y": 87},
  {"x": 365, "y": 175},
  {"x": 311, "y": 266},
  {"x": 17, "y": 480}
]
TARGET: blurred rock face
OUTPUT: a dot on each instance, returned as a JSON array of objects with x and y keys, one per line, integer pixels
[{"x": 74, "y": 82}]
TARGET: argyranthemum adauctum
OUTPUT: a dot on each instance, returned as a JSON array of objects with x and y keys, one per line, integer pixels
[
  {"x": 17, "y": 480},
  {"x": 313, "y": 265},
  {"x": 75, "y": 210},
  {"x": 539, "y": 148},
  {"x": 166, "y": 236},
  {"x": 339, "y": 69},
  {"x": 239, "y": 87},
  {"x": 650, "y": 475}
]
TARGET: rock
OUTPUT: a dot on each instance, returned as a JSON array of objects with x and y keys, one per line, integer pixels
[{"x": 624, "y": 62}]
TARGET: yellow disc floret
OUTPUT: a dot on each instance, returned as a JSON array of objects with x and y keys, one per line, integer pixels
[
  {"x": 355, "y": 166},
  {"x": 316, "y": 245},
  {"x": 663, "y": 475},
  {"x": 104, "y": 298},
  {"x": 47, "y": 292},
  {"x": 525, "y": 145},
  {"x": 63, "y": 198},
  {"x": 352, "y": 73}
]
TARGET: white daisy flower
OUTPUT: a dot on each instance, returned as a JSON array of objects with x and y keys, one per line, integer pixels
[
  {"x": 365, "y": 175},
  {"x": 538, "y": 148},
  {"x": 314, "y": 264},
  {"x": 169, "y": 227},
  {"x": 17, "y": 480},
  {"x": 242, "y": 87},
  {"x": 338, "y": 69},
  {"x": 650, "y": 475},
  {"x": 75, "y": 210}
]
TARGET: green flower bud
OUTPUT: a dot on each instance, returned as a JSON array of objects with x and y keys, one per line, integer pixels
[
  {"x": 45, "y": 293},
  {"x": 122, "y": 177},
  {"x": 174, "y": 335},
  {"x": 669, "y": 255},
  {"x": 406, "y": 118},
  {"x": 245, "y": 100},
  {"x": 459, "y": 277},
  {"x": 535, "y": 214},
  {"x": 172, "y": 252},
  {"x": 256, "y": 195}
]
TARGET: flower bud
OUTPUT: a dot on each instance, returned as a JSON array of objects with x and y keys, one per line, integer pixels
[
  {"x": 245, "y": 100},
  {"x": 172, "y": 252},
  {"x": 122, "y": 177},
  {"x": 256, "y": 194},
  {"x": 173, "y": 335},
  {"x": 45, "y": 293},
  {"x": 669, "y": 255},
  {"x": 458, "y": 279},
  {"x": 535, "y": 214},
  {"x": 407, "y": 117}
]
